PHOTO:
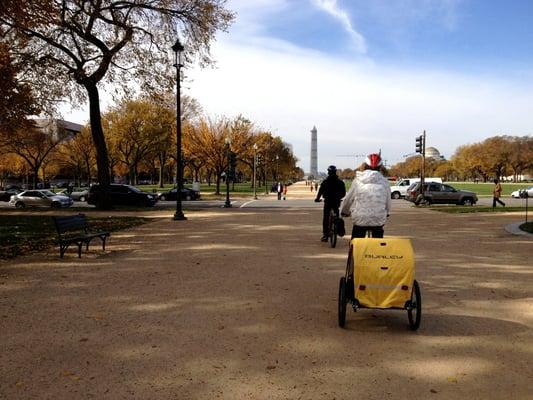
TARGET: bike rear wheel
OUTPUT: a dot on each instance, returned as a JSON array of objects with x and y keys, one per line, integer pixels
[{"x": 332, "y": 229}]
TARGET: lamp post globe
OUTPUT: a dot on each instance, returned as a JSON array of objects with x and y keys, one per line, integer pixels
[{"x": 178, "y": 51}]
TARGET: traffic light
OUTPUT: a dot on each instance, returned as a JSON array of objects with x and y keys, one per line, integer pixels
[
  {"x": 259, "y": 159},
  {"x": 419, "y": 144}
]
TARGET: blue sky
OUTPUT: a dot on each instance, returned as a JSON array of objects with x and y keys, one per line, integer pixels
[{"x": 373, "y": 74}]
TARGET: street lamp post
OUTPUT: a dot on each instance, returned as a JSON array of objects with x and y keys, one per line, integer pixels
[
  {"x": 178, "y": 50},
  {"x": 255, "y": 171},
  {"x": 227, "y": 204},
  {"x": 265, "y": 171}
]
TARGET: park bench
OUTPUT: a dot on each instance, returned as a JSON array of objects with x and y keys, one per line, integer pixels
[{"x": 75, "y": 229}]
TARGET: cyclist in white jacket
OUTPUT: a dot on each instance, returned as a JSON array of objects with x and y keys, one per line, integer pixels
[{"x": 368, "y": 201}]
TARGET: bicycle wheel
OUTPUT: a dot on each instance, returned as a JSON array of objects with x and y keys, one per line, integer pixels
[
  {"x": 414, "y": 313},
  {"x": 342, "y": 302},
  {"x": 332, "y": 230}
]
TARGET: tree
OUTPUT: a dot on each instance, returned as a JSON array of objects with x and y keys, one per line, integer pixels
[
  {"x": 521, "y": 159},
  {"x": 77, "y": 155},
  {"x": 34, "y": 144},
  {"x": 497, "y": 151},
  {"x": 75, "y": 46},
  {"x": 16, "y": 99},
  {"x": 136, "y": 130},
  {"x": 208, "y": 141}
]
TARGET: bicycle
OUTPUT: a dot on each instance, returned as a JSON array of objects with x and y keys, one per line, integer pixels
[{"x": 333, "y": 227}]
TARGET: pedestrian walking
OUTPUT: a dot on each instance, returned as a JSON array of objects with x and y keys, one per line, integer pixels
[
  {"x": 285, "y": 192},
  {"x": 316, "y": 186},
  {"x": 496, "y": 194},
  {"x": 279, "y": 190},
  {"x": 311, "y": 186}
]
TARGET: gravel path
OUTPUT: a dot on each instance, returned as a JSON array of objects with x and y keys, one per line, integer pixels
[{"x": 241, "y": 304}]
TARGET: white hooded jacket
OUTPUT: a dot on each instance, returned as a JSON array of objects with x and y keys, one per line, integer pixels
[{"x": 368, "y": 200}]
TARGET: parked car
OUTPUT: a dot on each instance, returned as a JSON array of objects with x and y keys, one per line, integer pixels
[
  {"x": 186, "y": 194},
  {"x": 123, "y": 195},
  {"x": 40, "y": 198},
  {"x": 5, "y": 195},
  {"x": 399, "y": 189},
  {"x": 77, "y": 194},
  {"x": 516, "y": 193},
  {"x": 440, "y": 193}
]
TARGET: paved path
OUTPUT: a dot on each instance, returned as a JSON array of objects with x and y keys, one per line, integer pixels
[{"x": 241, "y": 304}]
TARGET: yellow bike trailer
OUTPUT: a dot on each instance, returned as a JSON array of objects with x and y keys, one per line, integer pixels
[{"x": 380, "y": 274}]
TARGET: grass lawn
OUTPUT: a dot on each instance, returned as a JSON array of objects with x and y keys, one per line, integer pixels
[
  {"x": 23, "y": 234},
  {"x": 485, "y": 189}
]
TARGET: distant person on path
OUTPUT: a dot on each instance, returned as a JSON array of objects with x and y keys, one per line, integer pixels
[
  {"x": 316, "y": 184},
  {"x": 285, "y": 192},
  {"x": 333, "y": 190},
  {"x": 368, "y": 201},
  {"x": 279, "y": 190},
  {"x": 311, "y": 187},
  {"x": 496, "y": 194}
]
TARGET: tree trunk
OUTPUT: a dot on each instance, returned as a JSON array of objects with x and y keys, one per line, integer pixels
[
  {"x": 102, "y": 160},
  {"x": 218, "y": 183},
  {"x": 161, "y": 165},
  {"x": 35, "y": 176}
]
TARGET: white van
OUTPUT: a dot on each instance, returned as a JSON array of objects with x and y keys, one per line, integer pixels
[{"x": 400, "y": 189}]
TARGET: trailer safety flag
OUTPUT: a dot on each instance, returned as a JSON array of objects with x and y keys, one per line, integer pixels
[{"x": 384, "y": 271}]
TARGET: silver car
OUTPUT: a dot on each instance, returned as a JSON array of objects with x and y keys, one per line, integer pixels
[
  {"x": 77, "y": 193},
  {"x": 40, "y": 198}
]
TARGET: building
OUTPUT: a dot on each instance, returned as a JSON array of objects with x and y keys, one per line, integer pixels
[
  {"x": 58, "y": 128},
  {"x": 432, "y": 152}
]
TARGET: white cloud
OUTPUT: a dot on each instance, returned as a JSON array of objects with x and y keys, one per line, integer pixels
[
  {"x": 332, "y": 8},
  {"x": 357, "y": 107}
]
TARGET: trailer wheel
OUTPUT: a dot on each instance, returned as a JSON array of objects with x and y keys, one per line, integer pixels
[
  {"x": 414, "y": 312},
  {"x": 342, "y": 302}
]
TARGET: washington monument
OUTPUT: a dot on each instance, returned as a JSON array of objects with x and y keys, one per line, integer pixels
[{"x": 314, "y": 155}]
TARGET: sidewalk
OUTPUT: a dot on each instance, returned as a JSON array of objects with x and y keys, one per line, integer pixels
[{"x": 242, "y": 304}]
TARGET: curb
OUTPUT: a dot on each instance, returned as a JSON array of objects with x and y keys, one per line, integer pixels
[{"x": 515, "y": 230}]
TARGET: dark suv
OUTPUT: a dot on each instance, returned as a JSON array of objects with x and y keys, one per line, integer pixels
[
  {"x": 439, "y": 193},
  {"x": 122, "y": 195}
]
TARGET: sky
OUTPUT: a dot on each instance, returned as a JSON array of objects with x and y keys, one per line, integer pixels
[{"x": 372, "y": 74}]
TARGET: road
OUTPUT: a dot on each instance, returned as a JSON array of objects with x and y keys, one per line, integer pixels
[
  {"x": 300, "y": 199},
  {"x": 241, "y": 303}
]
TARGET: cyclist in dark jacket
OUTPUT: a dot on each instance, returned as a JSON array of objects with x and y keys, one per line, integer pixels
[{"x": 333, "y": 190}]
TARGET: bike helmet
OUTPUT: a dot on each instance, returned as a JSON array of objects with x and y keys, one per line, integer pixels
[
  {"x": 332, "y": 170},
  {"x": 373, "y": 161}
]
